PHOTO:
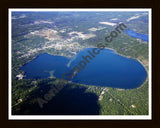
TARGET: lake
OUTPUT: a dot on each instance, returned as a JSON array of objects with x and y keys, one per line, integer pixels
[
  {"x": 105, "y": 69},
  {"x": 133, "y": 34}
]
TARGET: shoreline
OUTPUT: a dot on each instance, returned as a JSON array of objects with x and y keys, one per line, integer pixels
[
  {"x": 136, "y": 60},
  {"x": 129, "y": 57},
  {"x": 147, "y": 79}
]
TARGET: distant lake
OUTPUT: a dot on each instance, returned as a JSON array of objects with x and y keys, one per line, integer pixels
[
  {"x": 133, "y": 34},
  {"x": 105, "y": 69}
]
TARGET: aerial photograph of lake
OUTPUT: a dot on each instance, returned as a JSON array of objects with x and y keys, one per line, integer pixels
[
  {"x": 107, "y": 69},
  {"x": 79, "y": 62}
]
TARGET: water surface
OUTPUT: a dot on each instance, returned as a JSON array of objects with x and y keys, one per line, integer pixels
[
  {"x": 133, "y": 34},
  {"x": 105, "y": 69}
]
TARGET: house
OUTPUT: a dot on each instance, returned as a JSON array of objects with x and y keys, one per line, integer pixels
[{"x": 20, "y": 76}]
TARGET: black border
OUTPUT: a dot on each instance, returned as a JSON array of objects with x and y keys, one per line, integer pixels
[{"x": 153, "y": 4}]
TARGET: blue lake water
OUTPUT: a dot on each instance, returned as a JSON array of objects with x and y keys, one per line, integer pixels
[
  {"x": 133, "y": 34},
  {"x": 105, "y": 69}
]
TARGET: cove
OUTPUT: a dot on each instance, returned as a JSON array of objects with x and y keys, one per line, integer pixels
[
  {"x": 133, "y": 34},
  {"x": 107, "y": 69}
]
